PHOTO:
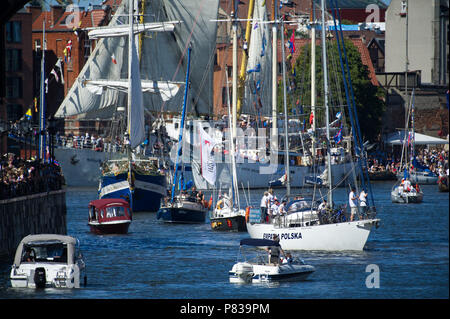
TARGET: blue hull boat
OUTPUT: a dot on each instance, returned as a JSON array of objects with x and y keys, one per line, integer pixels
[{"x": 146, "y": 195}]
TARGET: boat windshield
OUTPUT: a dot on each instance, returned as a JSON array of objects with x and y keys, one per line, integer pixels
[
  {"x": 54, "y": 252},
  {"x": 115, "y": 211}
]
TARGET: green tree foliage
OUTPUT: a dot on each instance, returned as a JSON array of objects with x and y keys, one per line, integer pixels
[{"x": 369, "y": 104}]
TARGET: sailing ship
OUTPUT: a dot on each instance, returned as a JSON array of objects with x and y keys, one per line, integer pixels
[
  {"x": 303, "y": 225},
  {"x": 165, "y": 27}
]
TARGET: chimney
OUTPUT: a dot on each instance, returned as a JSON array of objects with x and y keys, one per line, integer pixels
[
  {"x": 55, "y": 13},
  {"x": 35, "y": 11}
]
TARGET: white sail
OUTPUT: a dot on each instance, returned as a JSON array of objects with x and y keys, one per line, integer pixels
[
  {"x": 122, "y": 30},
  {"x": 166, "y": 89},
  {"x": 79, "y": 99},
  {"x": 259, "y": 71}
]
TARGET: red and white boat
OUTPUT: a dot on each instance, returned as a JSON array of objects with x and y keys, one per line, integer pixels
[{"x": 109, "y": 216}]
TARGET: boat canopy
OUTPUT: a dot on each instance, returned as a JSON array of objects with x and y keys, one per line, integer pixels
[
  {"x": 258, "y": 242},
  {"x": 100, "y": 203},
  {"x": 46, "y": 239}
]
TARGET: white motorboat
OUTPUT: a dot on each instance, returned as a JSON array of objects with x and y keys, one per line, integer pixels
[
  {"x": 48, "y": 260},
  {"x": 400, "y": 195},
  {"x": 259, "y": 269}
]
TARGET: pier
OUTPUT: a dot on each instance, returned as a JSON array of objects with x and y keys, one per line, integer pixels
[{"x": 31, "y": 214}]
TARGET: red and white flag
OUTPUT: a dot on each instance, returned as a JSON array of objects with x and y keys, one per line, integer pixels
[{"x": 113, "y": 59}]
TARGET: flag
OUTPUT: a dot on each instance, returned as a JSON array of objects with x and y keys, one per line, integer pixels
[
  {"x": 311, "y": 118},
  {"x": 256, "y": 69},
  {"x": 210, "y": 202},
  {"x": 59, "y": 66},
  {"x": 113, "y": 58},
  {"x": 338, "y": 136},
  {"x": 28, "y": 114},
  {"x": 292, "y": 42},
  {"x": 208, "y": 165}
]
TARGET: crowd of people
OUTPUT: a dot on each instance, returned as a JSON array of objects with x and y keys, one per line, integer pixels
[
  {"x": 434, "y": 159},
  {"x": 21, "y": 177}
]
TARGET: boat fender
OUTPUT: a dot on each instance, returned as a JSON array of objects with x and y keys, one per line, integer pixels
[
  {"x": 39, "y": 277},
  {"x": 247, "y": 214}
]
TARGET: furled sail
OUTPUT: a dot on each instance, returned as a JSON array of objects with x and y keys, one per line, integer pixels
[
  {"x": 197, "y": 30},
  {"x": 257, "y": 99}
]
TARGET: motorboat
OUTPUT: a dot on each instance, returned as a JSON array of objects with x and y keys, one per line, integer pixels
[
  {"x": 48, "y": 260},
  {"x": 402, "y": 195},
  {"x": 183, "y": 209},
  {"x": 259, "y": 269},
  {"x": 109, "y": 216}
]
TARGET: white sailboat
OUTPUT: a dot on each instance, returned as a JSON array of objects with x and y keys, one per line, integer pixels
[{"x": 304, "y": 227}]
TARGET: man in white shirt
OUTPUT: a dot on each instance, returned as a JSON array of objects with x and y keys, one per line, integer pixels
[
  {"x": 353, "y": 203},
  {"x": 263, "y": 205},
  {"x": 363, "y": 201}
]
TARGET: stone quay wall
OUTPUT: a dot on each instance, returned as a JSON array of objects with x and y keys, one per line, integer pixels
[{"x": 43, "y": 213}]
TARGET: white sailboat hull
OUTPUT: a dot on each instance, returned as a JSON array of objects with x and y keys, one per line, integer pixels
[{"x": 328, "y": 237}]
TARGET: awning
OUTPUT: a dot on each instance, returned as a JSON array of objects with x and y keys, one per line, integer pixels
[{"x": 398, "y": 138}]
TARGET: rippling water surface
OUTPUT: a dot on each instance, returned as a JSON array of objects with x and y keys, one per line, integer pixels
[{"x": 156, "y": 260}]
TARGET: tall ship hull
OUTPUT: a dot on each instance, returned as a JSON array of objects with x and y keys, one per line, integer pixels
[
  {"x": 81, "y": 167},
  {"x": 146, "y": 194}
]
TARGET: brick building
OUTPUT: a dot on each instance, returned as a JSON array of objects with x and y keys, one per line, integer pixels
[
  {"x": 293, "y": 10},
  {"x": 18, "y": 66},
  {"x": 67, "y": 42}
]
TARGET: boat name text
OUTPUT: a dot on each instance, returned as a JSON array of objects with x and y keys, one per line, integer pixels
[{"x": 284, "y": 236}]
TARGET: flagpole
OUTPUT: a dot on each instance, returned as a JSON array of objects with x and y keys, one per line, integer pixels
[{"x": 42, "y": 100}]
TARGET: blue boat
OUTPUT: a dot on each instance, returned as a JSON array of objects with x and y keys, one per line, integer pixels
[
  {"x": 145, "y": 189},
  {"x": 182, "y": 208}
]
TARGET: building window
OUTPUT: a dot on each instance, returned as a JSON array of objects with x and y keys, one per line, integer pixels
[
  {"x": 87, "y": 48},
  {"x": 14, "y": 112},
  {"x": 14, "y": 31},
  {"x": 13, "y": 87},
  {"x": 13, "y": 60}
]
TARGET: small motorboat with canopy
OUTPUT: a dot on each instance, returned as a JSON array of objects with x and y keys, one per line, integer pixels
[
  {"x": 260, "y": 268},
  {"x": 109, "y": 216},
  {"x": 48, "y": 261}
]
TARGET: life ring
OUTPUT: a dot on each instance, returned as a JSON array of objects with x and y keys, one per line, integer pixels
[{"x": 247, "y": 214}]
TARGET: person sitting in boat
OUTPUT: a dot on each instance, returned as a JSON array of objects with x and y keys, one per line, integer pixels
[
  {"x": 417, "y": 187},
  {"x": 288, "y": 259},
  {"x": 274, "y": 251},
  {"x": 193, "y": 194},
  {"x": 29, "y": 255},
  {"x": 200, "y": 198}
]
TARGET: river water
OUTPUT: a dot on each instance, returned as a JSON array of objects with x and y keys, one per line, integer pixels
[{"x": 164, "y": 261}]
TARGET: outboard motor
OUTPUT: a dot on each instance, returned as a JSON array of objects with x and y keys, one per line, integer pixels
[{"x": 39, "y": 277}]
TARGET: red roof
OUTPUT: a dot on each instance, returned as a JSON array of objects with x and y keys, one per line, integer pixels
[
  {"x": 99, "y": 203},
  {"x": 365, "y": 56},
  {"x": 68, "y": 20}
]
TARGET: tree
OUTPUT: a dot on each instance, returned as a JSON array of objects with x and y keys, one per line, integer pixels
[{"x": 368, "y": 97}]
